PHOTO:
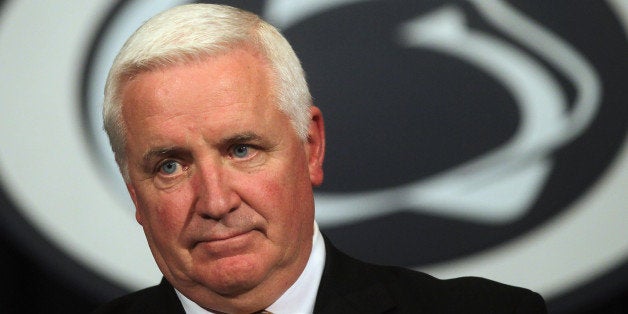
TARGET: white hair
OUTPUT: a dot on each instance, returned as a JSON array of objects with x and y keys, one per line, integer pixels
[{"x": 190, "y": 33}]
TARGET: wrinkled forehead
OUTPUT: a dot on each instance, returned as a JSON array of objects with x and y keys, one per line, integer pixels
[
  {"x": 256, "y": 62},
  {"x": 127, "y": 71},
  {"x": 227, "y": 85}
]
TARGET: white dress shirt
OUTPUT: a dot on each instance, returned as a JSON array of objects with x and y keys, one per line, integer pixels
[{"x": 300, "y": 297}]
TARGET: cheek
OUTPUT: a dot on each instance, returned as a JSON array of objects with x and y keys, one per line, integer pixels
[
  {"x": 164, "y": 213},
  {"x": 284, "y": 196}
]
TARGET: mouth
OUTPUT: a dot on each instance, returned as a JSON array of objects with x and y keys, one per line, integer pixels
[
  {"x": 224, "y": 237},
  {"x": 226, "y": 243}
]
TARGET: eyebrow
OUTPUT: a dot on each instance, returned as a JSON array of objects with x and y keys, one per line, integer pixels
[
  {"x": 241, "y": 138},
  {"x": 160, "y": 152}
]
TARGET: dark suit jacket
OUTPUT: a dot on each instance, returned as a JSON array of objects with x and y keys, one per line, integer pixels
[{"x": 352, "y": 286}]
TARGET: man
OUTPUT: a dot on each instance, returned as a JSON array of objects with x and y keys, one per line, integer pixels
[{"x": 212, "y": 125}]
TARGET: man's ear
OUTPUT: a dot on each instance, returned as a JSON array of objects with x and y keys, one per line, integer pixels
[
  {"x": 316, "y": 146},
  {"x": 138, "y": 215}
]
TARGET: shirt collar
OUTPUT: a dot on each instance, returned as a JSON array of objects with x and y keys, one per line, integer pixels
[{"x": 300, "y": 297}]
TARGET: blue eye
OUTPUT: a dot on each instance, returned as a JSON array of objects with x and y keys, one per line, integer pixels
[
  {"x": 240, "y": 151},
  {"x": 169, "y": 167}
]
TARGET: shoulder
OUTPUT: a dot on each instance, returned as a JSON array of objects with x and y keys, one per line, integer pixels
[
  {"x": 156, "y": 299},
  {"x": 465, "y": 294},
  {"x": 411, "y": 291}
]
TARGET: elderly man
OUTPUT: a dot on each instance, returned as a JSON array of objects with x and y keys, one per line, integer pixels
[{"x": 212, "y": 125}]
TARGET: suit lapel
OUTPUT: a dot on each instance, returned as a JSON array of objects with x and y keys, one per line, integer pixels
[
  {"x": 347, "y": 287},
  {"x": 165, "y": 300}
]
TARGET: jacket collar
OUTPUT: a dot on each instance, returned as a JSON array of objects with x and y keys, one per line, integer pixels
[{"x": 346, "y": 287}]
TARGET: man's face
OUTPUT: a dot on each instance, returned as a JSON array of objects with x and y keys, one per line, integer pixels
[{"x": 221, "y": 182}]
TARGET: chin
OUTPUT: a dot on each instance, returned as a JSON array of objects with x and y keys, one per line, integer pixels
[{"x": 231, "y": 275}]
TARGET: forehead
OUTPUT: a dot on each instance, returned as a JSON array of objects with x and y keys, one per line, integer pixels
[
  {"x": 238, "y": 76},
  {"x": 201, "y": 103}
]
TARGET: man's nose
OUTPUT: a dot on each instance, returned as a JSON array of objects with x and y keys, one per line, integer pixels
[{"x": 216, "y": 195}]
